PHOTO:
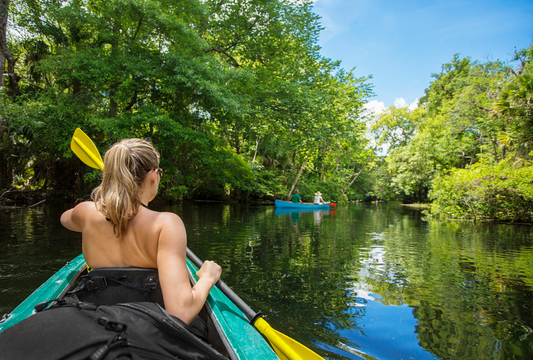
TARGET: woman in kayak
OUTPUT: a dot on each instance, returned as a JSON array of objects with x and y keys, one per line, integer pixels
[{"x": 120, "y": 231}]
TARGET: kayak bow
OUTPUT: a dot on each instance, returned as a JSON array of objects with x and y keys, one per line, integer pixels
[{"x": 238, "y": 339}]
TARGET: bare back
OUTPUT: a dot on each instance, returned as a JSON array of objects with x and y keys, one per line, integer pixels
[
  {"x": 137, "y": 246},
  {"x": 151, "y": 240}
]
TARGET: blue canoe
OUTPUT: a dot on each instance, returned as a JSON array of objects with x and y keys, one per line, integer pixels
[
  {"x": 238, "y": 339},
  {"x": 289, "y": 205}
]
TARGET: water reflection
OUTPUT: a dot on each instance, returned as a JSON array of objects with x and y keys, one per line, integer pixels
[
  {"x": 295, "y": 214},
  {"x": 372, "y": 282},
  {"x": 33, "y": 246}
]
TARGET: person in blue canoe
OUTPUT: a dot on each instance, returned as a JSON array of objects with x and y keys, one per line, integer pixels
[
  {"x": 296, "y": 199},
  {"x": 318, "y": 198},
  {"x": 120, "y": 231}
]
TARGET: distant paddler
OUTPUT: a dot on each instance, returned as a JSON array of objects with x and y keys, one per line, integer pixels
[
  {"x": 318, "y": 198},
  {"x": 296, "y": 198}
]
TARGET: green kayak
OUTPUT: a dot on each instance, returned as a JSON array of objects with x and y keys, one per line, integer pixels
[{"x": 238, "y": 339}]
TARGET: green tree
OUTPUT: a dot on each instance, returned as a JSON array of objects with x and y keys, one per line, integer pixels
[
  {"x": 513, "y": 107},
  {"x": 234, "y": 94},
  {"x": 485, "y": 191},
  {"x": 454, "y": 127}
]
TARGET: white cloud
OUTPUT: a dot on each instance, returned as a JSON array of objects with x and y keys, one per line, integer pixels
[
  {"x": 375, "y": 107},
  {"x": 400, "y": 102},
  {"x": 299, "y": 2}
]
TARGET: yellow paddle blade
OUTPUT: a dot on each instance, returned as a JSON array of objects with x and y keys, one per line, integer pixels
[
  {"x": 285, "y": 347},
  {"x": 84, "y": 148}
]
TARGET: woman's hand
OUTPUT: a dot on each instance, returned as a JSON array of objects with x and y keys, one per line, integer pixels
[{"x": 210, "y": 270}]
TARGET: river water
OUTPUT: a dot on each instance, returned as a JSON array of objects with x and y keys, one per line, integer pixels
[{"x": 357, "y": 282}]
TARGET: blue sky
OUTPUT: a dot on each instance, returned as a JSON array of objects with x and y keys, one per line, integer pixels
[{"x": 401, "y": 43}]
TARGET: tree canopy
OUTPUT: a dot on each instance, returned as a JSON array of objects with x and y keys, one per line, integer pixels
[
  {"x": 241, "y": 105},
  {"x": 234, "y": 94},
  {"x": 467, "y": 148}
]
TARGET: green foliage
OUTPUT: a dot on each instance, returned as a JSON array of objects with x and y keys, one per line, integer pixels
[
  {"x": 396, "y": 126},
  {"x": 379, "y": 185},
  {"x": 515, "y": 109},
  {"x": 269, "y": 184},
  {"x": 473, "y": 112},
  {"x": 484, "y": 191},
  {"x": 235, "y": 95},
  {"x": 446, "y": 84}
]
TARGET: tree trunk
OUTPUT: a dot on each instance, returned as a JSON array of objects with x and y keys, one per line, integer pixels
[
  {"x": 76, "y": 87},
  {"x": 256, "y": 147},
  {"x": 5, "y": 178},
  {"x": 237, "y": 142},
  {"x": 113, "y": 105},
  {"x": 355, "y": 177},
  {"x": 13, "y": 78},
  {"x": 297, "y": 178},
  {"x": 353, "y": 180},
  {"x": 4, "y": 181},
  {"x": 2, "y": 68}
]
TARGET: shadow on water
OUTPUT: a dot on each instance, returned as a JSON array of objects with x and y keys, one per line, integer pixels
[{"x": 371, "y": 282}]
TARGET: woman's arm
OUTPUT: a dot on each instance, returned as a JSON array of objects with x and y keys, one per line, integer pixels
[
  {"x": 181, "y": 300},
  {"x": 73, "y": 219}
]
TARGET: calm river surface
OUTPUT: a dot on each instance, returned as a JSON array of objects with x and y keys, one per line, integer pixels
[{"x": 357, "y": 282}]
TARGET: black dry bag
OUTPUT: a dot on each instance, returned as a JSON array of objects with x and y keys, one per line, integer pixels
[{"x": 77, "y": 330}]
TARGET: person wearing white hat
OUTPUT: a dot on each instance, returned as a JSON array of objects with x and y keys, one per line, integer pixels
[{"x": 318, "y": 198}]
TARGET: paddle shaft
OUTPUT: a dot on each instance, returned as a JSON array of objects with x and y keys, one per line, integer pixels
[
  {"x": 250, "y": 314},
  {"x": 282, "y": 344}
]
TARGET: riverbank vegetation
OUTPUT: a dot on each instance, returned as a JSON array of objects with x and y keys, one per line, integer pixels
[
  {"x": 234, "y": 94},
  {"x": 467, "y": 148},
  {"x": 242, "y": 106}
]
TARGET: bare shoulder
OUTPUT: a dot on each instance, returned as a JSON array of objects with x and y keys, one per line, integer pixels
[
  {"x": 86, "y": 206},
  {"x": 172, "y": 230},
  {"x": 170, "y": 221},
  {"x": 86, "y": 210},
  {"x": 75, "y": 218}
]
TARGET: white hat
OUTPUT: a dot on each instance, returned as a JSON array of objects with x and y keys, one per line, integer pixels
[{"x": 318, "y": 193}]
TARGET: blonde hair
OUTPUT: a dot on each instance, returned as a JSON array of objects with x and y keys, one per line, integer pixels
[{"x": 126, "y": 165}]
